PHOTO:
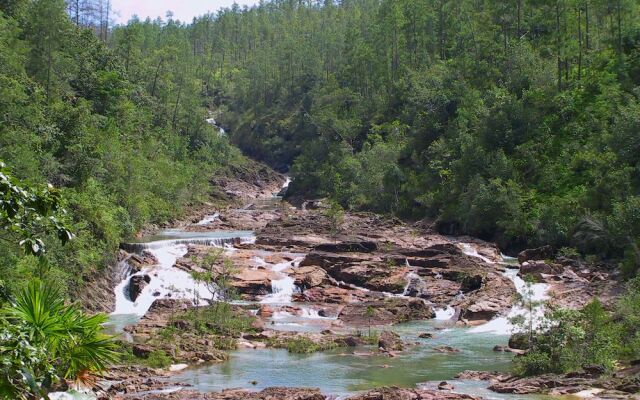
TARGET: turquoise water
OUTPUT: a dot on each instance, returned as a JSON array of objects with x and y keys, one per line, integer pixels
[{"x": 342, "y": 372}]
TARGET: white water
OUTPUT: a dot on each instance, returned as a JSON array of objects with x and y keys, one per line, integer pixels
[
  {"x": 445, "y": 314},
  {"x": 470, "y": 250},
  {"x": 286, "y": 183},
  {"x": 72, "y": 395},
  {"x": 166, "y": 281},
  {"x": 410, "y": 277},
  {"x": 502, "y": 325},
  {"x": 212, "y": 122},
  {"x": 208, "y": 219},
  {"x": 282, "y": 289}
]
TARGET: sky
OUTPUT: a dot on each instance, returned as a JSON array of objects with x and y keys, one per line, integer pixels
[{"x": 184, "y": 10}]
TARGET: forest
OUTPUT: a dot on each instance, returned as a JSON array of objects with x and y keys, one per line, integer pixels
[
  {"x": 515, "y": 121},
  {"x": 118, "y": 144}
]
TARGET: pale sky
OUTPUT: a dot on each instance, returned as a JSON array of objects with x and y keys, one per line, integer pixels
[{"x": 184, "y": 10}]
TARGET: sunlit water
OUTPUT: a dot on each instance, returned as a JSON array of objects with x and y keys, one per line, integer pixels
[
  {"x": 342, "y": 372},
  {"x": 167, "y": 280},
  {"x": 338, "y": 372}
]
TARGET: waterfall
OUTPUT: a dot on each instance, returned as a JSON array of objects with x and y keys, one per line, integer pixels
[
  {"x": 286, "y": 183},
  {"x": 282, "y": 289},
  {"x": 208, "y": 219},
  {"x": 445, "y": 314},
  {"x": 203, "y": 241},
  {"x": 212, "y": 121},
  {"x": 503, "y": 325},
  {"x": 312, "y": 313},
  {"x": 166, "y": 280},
  {"x": 412, "y": 278},
  {"x": 470, "y": 250}
]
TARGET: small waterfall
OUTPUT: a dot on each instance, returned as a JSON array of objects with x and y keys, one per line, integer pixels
[
  {"x": 312, "y": 313},
  {"x": 203, "y": 241},
  {"x": 283, "y": 190},
  {"x": 414, "y": 283},
  {"x": 286, "y": 184},
  {"x": 208, "y": 219},
  {"x": 166, "y": 280},
  {"x": 282, "y": 289},
  {"x": 470, "y": 250},
  {"x": 445, "y": 314},
  {"x": 503, "y": 325},
  {"x": 212, "y": 121}
]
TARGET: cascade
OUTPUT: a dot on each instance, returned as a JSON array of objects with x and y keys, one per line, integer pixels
[
  {"x": 208, "y": 219},
  {"x": 166, "y": 280},
  {"x": 282, "y": 289},
  {"x": 502, "y": 325}
]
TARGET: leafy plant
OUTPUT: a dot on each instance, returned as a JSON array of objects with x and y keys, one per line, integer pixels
[
  {"x": 48, "y": 340},
  {"x": 158, "y": 359}
]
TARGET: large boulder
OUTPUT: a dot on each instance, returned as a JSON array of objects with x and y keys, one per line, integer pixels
[
  {"x": 386, "y": 311},
  {"x": 136, "y": 284},
  {"x": 141, "y": 350},
  {"x": 390, "y": 341},
  {"x": 308, "y": 277},
  {"x": 536, "y": 268},
  {"x": 540, "y": 253},
  {"x": 251, "y": 283},
  {"x": 492, "y": 299}
]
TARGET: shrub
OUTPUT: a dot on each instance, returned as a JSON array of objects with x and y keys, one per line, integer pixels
[{"x": 158, "y": 359}]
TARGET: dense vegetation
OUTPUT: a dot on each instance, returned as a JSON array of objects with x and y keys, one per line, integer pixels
[
  {"x": 122, "y": 139},
  {"x": 567, "y": 340},
  {"x": 516, "y": 121}
]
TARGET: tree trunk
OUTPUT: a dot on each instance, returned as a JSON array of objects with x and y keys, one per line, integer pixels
[
  {"x": 175, "y": 110},
  {"x": 519, "y": 17},
  {"x": 442, "y": 31},
  {"x": 586, "y": 17},
  {"x": 155, "y": 78},
  {"x": 558, "y": 45},
  {"x": 579, "y": 43}
]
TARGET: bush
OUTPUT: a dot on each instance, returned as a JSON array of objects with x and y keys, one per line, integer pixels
[
  {"x": 158, "y": 359},
  {"x": 304, "y": 345}
]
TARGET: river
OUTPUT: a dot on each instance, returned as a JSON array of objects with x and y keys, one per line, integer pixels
[{"x": 338, "y": 372}]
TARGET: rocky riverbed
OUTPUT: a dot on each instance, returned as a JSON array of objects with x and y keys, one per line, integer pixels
[{"x": 305, "y": 280}]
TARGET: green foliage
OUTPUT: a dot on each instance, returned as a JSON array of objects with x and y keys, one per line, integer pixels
[
  {"x": 218, "y": 319},
  {"x": 158, "y": 359},
  {"x": 27, "y": 214},
  {"x": 335, "y": 213},
  {"x": 514, "y": 123},
  {"x": 118, "y": 129},
  {"x": 304, "y": 345},
  {"x": 566, "y": 340},
  {"x": 45, "y": 340},
  {"x": 216, "y": 274}
]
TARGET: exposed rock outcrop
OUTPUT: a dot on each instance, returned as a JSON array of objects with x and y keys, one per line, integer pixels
[{"x": 386, "y": 311}]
